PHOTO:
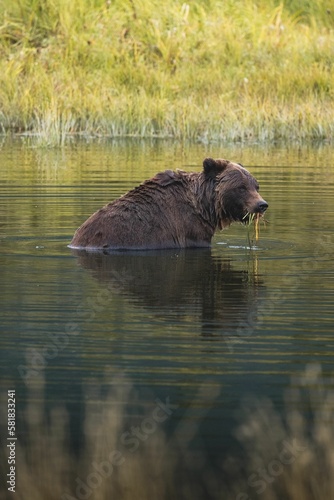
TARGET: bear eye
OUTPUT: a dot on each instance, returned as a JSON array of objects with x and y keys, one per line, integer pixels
[{"x": 242, "y": 187}]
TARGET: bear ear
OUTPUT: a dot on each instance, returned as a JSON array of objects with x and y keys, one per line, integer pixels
[{"x": 213, "y": 167}]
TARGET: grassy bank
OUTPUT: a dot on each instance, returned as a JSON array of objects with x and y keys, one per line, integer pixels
[{"x": 207, "y": 70}]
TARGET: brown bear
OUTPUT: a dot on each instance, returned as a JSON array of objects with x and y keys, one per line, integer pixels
[{"x": 174, "y": 210}]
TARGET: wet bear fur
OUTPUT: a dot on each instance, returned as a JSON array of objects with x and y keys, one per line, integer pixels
[{"x": 174, "y": 209}]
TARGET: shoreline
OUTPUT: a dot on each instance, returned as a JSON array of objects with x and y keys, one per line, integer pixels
[{"x": 241, "y": 71}]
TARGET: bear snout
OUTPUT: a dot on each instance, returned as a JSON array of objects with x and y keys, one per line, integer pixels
[{"x": 261, "y": 207}]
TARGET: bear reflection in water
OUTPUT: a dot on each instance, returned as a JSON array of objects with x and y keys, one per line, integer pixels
[{"x": 170, "y": 284}]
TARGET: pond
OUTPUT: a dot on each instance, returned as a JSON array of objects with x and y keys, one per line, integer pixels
[{"x": 139, "y": 374}]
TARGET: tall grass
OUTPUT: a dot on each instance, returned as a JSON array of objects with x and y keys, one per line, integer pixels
[
  {"x": 292, "y": 455},
  {"x": 207, "y": 70}
]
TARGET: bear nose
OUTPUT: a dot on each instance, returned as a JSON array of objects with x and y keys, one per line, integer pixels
[{"x": 262, "y": 206}]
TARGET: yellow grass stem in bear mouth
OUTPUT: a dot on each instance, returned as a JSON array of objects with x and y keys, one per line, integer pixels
[
  {"x": 255, "y": 219},
  {"x": 174, "y": 209}
]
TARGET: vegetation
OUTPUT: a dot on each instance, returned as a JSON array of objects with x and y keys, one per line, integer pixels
[
  {"x": 207, "y": 70},
  {"x": 281, "y": 456}
]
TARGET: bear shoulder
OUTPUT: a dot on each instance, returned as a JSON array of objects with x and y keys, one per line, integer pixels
[{"x": 168, "y": 177}]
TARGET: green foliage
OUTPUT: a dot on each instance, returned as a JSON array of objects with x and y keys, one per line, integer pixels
[
  {"x": 320, "y": 12},
  {"x": 212, "y": 70}
]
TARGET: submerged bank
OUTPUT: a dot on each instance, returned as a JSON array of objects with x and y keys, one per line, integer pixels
[{"x": 233, "y": 70}]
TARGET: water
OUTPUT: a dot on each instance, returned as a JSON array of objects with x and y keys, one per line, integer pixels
[{"x": 199, "y": 330}]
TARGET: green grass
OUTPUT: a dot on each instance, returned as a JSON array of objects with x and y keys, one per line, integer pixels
[{"x": 235, "y": 70}]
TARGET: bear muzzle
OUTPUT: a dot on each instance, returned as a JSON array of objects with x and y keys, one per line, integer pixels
[{"x": 261, "y": 207}]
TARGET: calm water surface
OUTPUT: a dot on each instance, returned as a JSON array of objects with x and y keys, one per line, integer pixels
[{"x": 195, "y": 332}]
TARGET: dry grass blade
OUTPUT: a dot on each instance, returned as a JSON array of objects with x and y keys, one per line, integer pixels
[
  {"x": 257, "y": 226},
  {"x": 249, "y": 219}
]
